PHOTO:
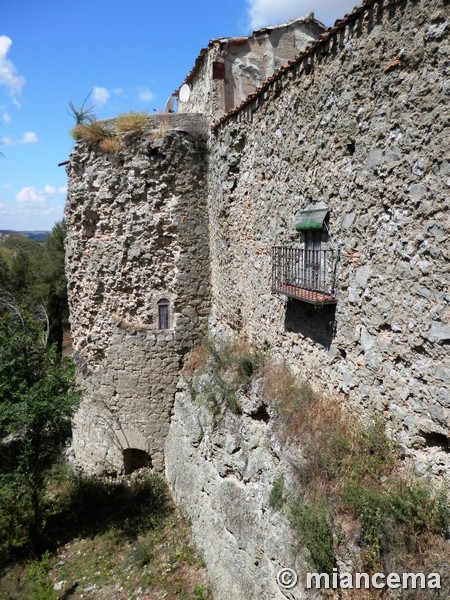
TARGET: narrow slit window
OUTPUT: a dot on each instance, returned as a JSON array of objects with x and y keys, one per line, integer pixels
[{"x": 163, "y": 313}]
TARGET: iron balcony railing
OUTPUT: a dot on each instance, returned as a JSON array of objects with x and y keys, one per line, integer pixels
[{"x": 305, "y": 274}]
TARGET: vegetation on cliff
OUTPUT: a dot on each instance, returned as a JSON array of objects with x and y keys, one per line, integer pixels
[
  {"x": 351, "y": 495},
  {"x": 108, "y": 538}
]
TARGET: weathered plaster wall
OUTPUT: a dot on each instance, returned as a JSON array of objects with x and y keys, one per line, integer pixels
[
  {"x": 137, "y": 233},
  {"x": 362, "y": 126},
  {"x": 248, "y": 62},
  {"x": 207, "y": 95}
]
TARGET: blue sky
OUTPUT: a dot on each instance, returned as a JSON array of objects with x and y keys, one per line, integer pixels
[{"x": 128, "y": 55}]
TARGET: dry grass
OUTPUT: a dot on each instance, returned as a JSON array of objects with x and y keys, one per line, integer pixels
[
  {"x": 110, "y": 144},
  {"x": 196, "y": 360},
  {"x": 93, "y": 132},
  {"x": 129, "y": 326},
  {"x": 291, "y": 400},
  {"x": 132, "y": 122},
  {"x": 229, "y": 366}
]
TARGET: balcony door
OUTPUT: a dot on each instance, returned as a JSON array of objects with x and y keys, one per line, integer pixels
[{"x": 312, "y": 271}]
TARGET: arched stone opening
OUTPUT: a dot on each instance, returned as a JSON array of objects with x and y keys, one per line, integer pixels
[{"x": 134, "y": 459}]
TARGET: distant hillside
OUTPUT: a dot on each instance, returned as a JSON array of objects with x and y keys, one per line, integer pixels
[
  {"x": 28, "y": 258},
  {"x": 38, "y": 236},
  {"x": 13, "y": 242}
]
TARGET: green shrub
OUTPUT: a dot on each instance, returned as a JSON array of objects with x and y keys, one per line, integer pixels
[
  {"x": 200, "y": 593},
  {"x": 276, "y": 498},
  {"x": 400, "y": 513},
  {"x": 38, "y": 574},
  {"x": 218, "y": 370},
  {"x": 441, "y": 511},
  {"x": 417, "y": 510},
  {"x": 312, "y": 522},
  {"x": 82, "y": 114},
  {"x": 371, "y": 507}
]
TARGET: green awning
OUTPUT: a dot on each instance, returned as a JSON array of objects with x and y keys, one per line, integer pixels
[{"x": 312, "y": 219}]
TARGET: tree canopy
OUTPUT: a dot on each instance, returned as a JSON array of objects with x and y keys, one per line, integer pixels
[{"x": 38, "y": 394}]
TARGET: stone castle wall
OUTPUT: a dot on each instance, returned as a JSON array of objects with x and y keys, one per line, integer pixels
[
  {"x": 361, "y": 126},
  {"x": 138, "y": 233}
]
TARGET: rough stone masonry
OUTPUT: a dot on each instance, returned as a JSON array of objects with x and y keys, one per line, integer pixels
[
  {"x": 137, "y": 236},
  {"x": 360, "y": 126},
  {"x": 357, "y": 125}
]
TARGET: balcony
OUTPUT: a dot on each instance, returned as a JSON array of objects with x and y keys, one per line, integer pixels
[{"x": 308, "y": 275}]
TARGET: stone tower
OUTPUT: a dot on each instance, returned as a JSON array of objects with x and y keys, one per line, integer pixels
[{"x": 137, "y": 268}]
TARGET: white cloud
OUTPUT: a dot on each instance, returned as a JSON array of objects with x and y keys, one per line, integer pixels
[
  {"x": 29, "y": 195},
  {"x": 8, "y": 74},
  {"x": 145, "y": 95},
  {"x": 100, "y": 95},
  {"x": 5, "y": 117},
  {"x": 29, "y": 217},
  {"x": 29, "y": 137},
  {"x": 267, "y": 12},
  {"x": 50, "y": 190}
]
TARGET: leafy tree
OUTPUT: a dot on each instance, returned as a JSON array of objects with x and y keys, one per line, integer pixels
[
  {"x": 21, "y": 275},
  {"x": 4, "y": 274},
  {"x": 56, "y": 309},
  {"x": 54, "y": 246},
  {"x": 37, "y": 398},
  {"x": 57, "y": 303},
  {"x": 35, "y": 274}
]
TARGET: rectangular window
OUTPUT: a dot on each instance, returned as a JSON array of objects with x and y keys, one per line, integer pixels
[
  {"x": 218, "y": 70},
  {"x": 163, "y": 314}
]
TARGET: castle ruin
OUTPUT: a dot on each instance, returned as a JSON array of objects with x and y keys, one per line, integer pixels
[{"x": 299, "y": 198}]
